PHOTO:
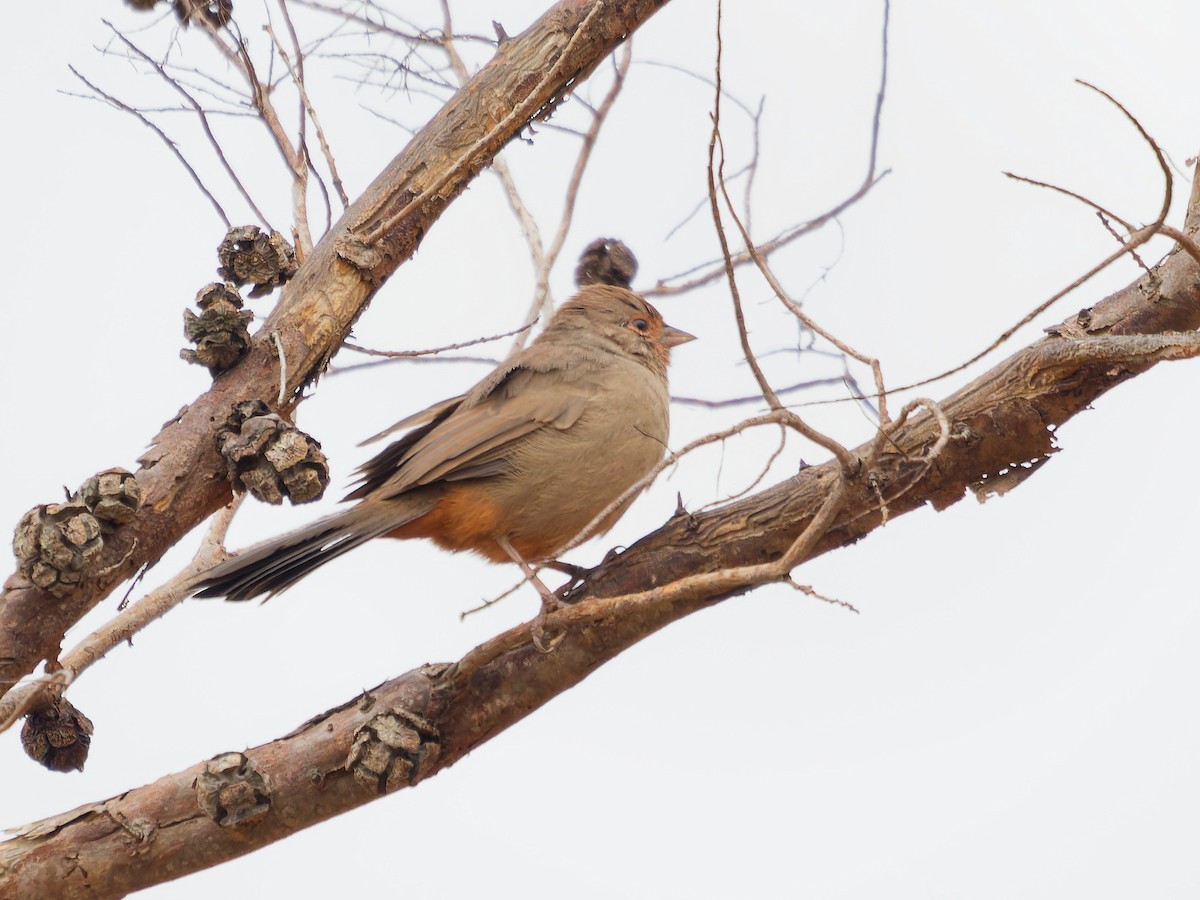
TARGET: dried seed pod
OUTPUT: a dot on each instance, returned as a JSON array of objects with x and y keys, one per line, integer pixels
[
  {"x": 216, "y": 12},
  {"x": 270, "y": 457},
  {"x": 606, "y": 261},
  {"x": 232, "y": 791},
  {"x": 249, "y": 255},
  {"x": 219, "y": 332},
  {"x": 142, "y": 5},
  {"x": 113, "y": 496},
  {"x": 393, "y": 750},
  {"x": 58, "y": 736},
  {"x": 54, "y": 544}
]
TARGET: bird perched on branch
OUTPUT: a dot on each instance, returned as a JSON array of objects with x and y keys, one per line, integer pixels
[{"x": 514, "y": 469}]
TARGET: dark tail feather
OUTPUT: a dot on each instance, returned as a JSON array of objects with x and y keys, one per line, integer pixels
[
  {"x": 275, "y": 565},
  {"x": 274, "y": 569}
]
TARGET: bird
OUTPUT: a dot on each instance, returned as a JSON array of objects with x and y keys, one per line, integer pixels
[{"x": 515, "y": 468}]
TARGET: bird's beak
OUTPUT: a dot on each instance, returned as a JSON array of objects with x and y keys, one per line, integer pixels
[{"x": 673, "y": 337}]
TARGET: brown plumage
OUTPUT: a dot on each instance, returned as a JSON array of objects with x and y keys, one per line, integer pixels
[{"x": 528, "y": 457}]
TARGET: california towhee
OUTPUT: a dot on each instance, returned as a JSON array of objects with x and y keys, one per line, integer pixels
[{"x": 517, "y": 466}]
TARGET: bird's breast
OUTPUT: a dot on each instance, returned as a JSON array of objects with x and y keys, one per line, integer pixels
[{"x": 561, "y": 479}]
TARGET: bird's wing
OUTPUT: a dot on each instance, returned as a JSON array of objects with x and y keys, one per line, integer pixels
[
  {"x": 375, "y": 472},
  {"x": 472, "y": 439},
  {"x": 424, "y": 417}
]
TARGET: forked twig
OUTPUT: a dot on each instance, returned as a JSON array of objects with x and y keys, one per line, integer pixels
[
  {"x": 1136, "y": 239},
  {"x": 171, "y": 145},
  {"x": 848, "y": 461},
  {"x": 201, "y": 116}
]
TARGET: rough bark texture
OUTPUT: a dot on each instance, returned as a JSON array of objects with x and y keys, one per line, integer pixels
[{"x": 182, "y": 478}]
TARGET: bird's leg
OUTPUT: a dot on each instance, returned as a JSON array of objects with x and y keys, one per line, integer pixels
[{"x": 550, "y": 603}]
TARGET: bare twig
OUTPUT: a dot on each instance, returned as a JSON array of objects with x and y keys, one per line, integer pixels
[
  {"x": 1120, "y": 239},
  {"x": 1082, "y": 199},
  {"x": 777, "y": 287},
  {"x": 848, "y": 461},
  {"x": 123, "y": 626},
  {"x": 297, "y": 73},
  {"x": 529, "y": 225},
  {"x": 408, "y": 354},
  {"x": 766, "y": 468},
  {"x": 808, "y": 590},
  {"x": 757, "y": 398},
  {"x": 200, "y": 115},
  {"x": 1185, "y": 241},
  {"x": 171, "y": 145},
  {"x": 1136, "y": 239},
  {"x": 415, "y": 36},
  {"x": 293, "y": 156},
  {"x": 716, "y": 268},
  {"x": 715, "y": 170},
  {"x": 542, "y": 300}
]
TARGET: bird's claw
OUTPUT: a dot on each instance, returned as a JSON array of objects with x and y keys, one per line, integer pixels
[{"x": 537, "y": 632}]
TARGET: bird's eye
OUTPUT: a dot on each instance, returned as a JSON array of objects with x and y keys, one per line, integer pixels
[{"x": 641, "y": 325}]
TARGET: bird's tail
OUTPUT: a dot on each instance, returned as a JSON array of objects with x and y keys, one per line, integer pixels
[{"x": 275, "y": 565}]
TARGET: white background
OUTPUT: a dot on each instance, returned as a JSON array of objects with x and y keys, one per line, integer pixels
[{"x": 1011, "y": 714}]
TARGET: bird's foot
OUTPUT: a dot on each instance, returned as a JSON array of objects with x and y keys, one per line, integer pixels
[{"x": 537, "y": 631}]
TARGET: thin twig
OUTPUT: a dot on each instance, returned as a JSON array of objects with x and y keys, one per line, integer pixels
[
  {"x": 1136, "y": 239},
  {"x": 1062, "y": 190},
  {"x": 1186, "y": 242},
  {"x": 542, "y": 301},
  {"x": 408, "y": 354},
  {"x": 200, "y": 114},
  {"x": 756, "y": 398},
  {"x": 714, "y": 207},
  {"x": 848, "y": 462},
  {"x": 171, "y": 145},
  {"x": 529, "y": 225},
  {"x": 124, "y": 625},
  {"x": 417, "y": 36},
  {"x": 298, "y": 78},
  {"x": 808, "y": 590},
  {"x": 766, "y": 467}
]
